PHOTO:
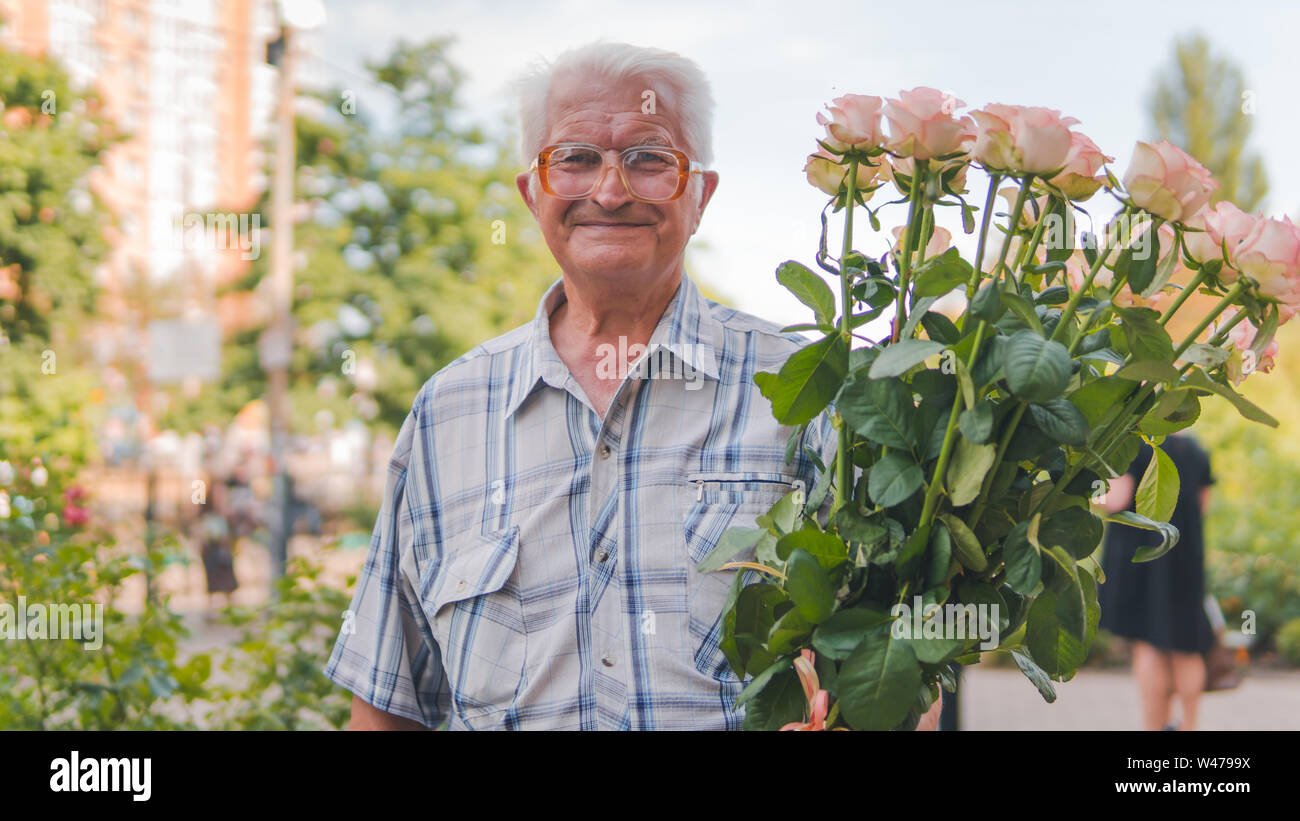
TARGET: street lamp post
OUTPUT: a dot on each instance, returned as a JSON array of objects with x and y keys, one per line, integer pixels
[{"x": 277, "y": 343}]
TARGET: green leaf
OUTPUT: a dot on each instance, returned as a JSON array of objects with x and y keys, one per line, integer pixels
[
  {"x": 1138, "y": 260},
  {"x": 732, "y": 542},
  {"x": 880, "y": 410},
  {"x": 940, "y": 557},
  {"x": 1100, "y": 396},
  {"x": 919, "y": 310},
  {"x": 1207, "y": 356},
  {"x": 1037, "y": 369},
  {"x": 756, "y": 684},
  {"x": 777, "y": 704},
  {"x": 940, "y": 328},
  {"x": 809, "y": 289},
  {"x": 1157, "y": 493},
  {"x": 1035, "y": 675},
  {"x": 853, "y": 527},
  {"x": 1071, "y": 612},
  {"x": 893, "y": 479},
  {"x": 1024, "y": 309},
  {"x": 827, "y": 548},
  {"x": 1197, "y": 379},
  {"x": 1168, "y": 534},
  {"x": 1024, "y": 565},
  {"x": 987, "y": 302},
  {"x": 789, "y": 633},
  {"x": 809, "y": 587},
  {"x": 1146, "y": 337},
  {"x": 939, "y": 275},
  {"x": 1075, "y": 529},
  {"x": 807, "y": 381},
  {"x": 970, "y": 462},
  {"x": 879, "y": 682},
  {"x": 1151, "y": 370},
  {"x": 902, "y": 356},
  {"x": 1061, "y": 420},
  {"x": 965, "y": 544},
  {"x": 976, "y": 424},
  {"x": 842, "y": 632}
]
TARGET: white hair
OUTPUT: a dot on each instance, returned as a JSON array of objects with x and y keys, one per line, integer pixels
[{"x": 680, "y": 87}]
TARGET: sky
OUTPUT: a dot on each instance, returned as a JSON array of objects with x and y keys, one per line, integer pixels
[{"x": 773, "y": 66}]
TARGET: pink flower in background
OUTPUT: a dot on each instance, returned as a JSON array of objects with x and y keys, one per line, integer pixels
[
  {"x": 1166, "y": 181},
  {"x": 817, "y": 698},
  {"x": 1023, "y": 139},
  {"x": 940, "y": 240},
  {"x": 826, "y": 174},
  {"x": 1033, "y": 209},
  {"x": 1243, "y": 361},
  {"x": 1223, "y": 224},
  {"x": 907, "y": 167},
  {"x": 1084, "y": 159},
  {"x": 1270, "y": 255},
  {"x": 922, "y": 125},
  {"x": 855, "y": 122}
]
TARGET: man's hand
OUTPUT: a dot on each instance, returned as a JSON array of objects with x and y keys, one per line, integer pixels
[
  {"x": 366, "y": 717},
  {"x": 930, "y": 721}
]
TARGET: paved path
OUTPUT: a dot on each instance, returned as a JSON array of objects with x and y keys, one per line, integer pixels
[{"x": 1002, "y": 699}]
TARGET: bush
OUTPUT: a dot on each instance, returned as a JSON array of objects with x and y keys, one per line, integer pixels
[{"x": 1288, "y": 641}]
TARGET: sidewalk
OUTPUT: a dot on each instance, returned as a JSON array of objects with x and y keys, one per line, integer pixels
[{"x": 1001, "y": 699}]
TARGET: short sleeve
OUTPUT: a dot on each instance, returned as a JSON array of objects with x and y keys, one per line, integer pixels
[{"x": 385, "y": 652}]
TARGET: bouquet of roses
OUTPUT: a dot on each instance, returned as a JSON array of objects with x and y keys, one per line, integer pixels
[{"x": 956, "y": 516}]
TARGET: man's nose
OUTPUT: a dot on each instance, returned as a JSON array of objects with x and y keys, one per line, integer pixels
[{"x": 610, "y": 193}]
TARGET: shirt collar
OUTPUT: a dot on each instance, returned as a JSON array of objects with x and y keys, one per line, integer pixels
[{"x": 687, "y": 330}]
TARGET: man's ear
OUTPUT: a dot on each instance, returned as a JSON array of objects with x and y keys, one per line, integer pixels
[
  {"x": 521, "y": 182},
  {"x": 710, "y": 184}
]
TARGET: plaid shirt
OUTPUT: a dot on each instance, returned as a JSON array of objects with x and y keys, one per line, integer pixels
[{"x": 533, "y": 566}]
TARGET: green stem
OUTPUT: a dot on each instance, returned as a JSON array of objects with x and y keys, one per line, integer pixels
[
  {"x": 1003, "y": 442},
  {"x": 1013, "y": 228},
  {"x": 1073, "y": 303},
  {"x": 1228, "y": 299},
  {"x": 843, "y": 456},
  {"x": 910, "y": 236},
  {"x": 1187, "y": 291},
  {"x": 994, "y": 179}
]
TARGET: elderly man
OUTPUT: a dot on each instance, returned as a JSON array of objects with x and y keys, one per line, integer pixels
[{"x": 548, "y": 498}]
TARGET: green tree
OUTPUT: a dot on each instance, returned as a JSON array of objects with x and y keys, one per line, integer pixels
[
  {"x": 1201, "y": 103},
  {"x": 417, "y": 249}
]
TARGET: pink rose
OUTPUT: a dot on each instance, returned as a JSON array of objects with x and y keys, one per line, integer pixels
[
  {"x": 1022, "y": 139},
  {"x": 1243, "y": 361},
  {"x": 1224, "y": 224},
  {"x": 1083, "y": 160},
  {"x": 1164, "y": 180},
  {"x": 1270, "y": 255},
  {"x": 855, "y": 122},
  {"x": 1033, "y": 209},
  {"x": 921, "y": 124},
  {"x": 906, "y": 167},
  {"x": 825, "y": 173},
  {"x": 940, "y": 240}
]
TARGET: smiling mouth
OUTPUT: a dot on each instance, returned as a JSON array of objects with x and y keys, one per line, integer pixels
[{"x": 612, "y": 225}]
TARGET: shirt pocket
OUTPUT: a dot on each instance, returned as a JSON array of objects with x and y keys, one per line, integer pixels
[
  {"x": 472, "y": 602},
  {"x": 723, "y": 502}
]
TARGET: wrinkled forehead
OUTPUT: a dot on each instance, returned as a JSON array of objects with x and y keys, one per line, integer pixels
[{"x": 612, "y": 115}]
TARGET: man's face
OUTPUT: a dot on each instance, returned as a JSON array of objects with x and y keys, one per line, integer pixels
[{"x": 609, "y": 236}]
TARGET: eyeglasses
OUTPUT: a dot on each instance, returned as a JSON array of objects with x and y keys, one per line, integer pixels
[{"x": 651, "y": 173}]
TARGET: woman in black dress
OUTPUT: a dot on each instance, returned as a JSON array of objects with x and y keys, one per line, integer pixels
[{"x": 1160, "y": 605}]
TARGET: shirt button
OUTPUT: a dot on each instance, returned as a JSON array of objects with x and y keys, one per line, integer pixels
[
  {"x": 604, "y": 451},
  {"x": 608, "y": 661},
  {"x": 602, "y": 554},
  {"x": 460, "y": 585}
]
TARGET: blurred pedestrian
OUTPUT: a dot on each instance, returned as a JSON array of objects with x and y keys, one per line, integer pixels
[
  {"x": 217, "y": 540},
  {"x": 1159, "y": 605}
]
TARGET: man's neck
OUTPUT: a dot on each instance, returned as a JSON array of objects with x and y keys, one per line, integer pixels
[{"x": 606, "y": 316}]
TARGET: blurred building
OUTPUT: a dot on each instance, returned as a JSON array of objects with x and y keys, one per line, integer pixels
[{"x": 188, "y": 81}]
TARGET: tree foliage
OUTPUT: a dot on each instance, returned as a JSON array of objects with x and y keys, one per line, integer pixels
[{"x": 1201, "y": 103}]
